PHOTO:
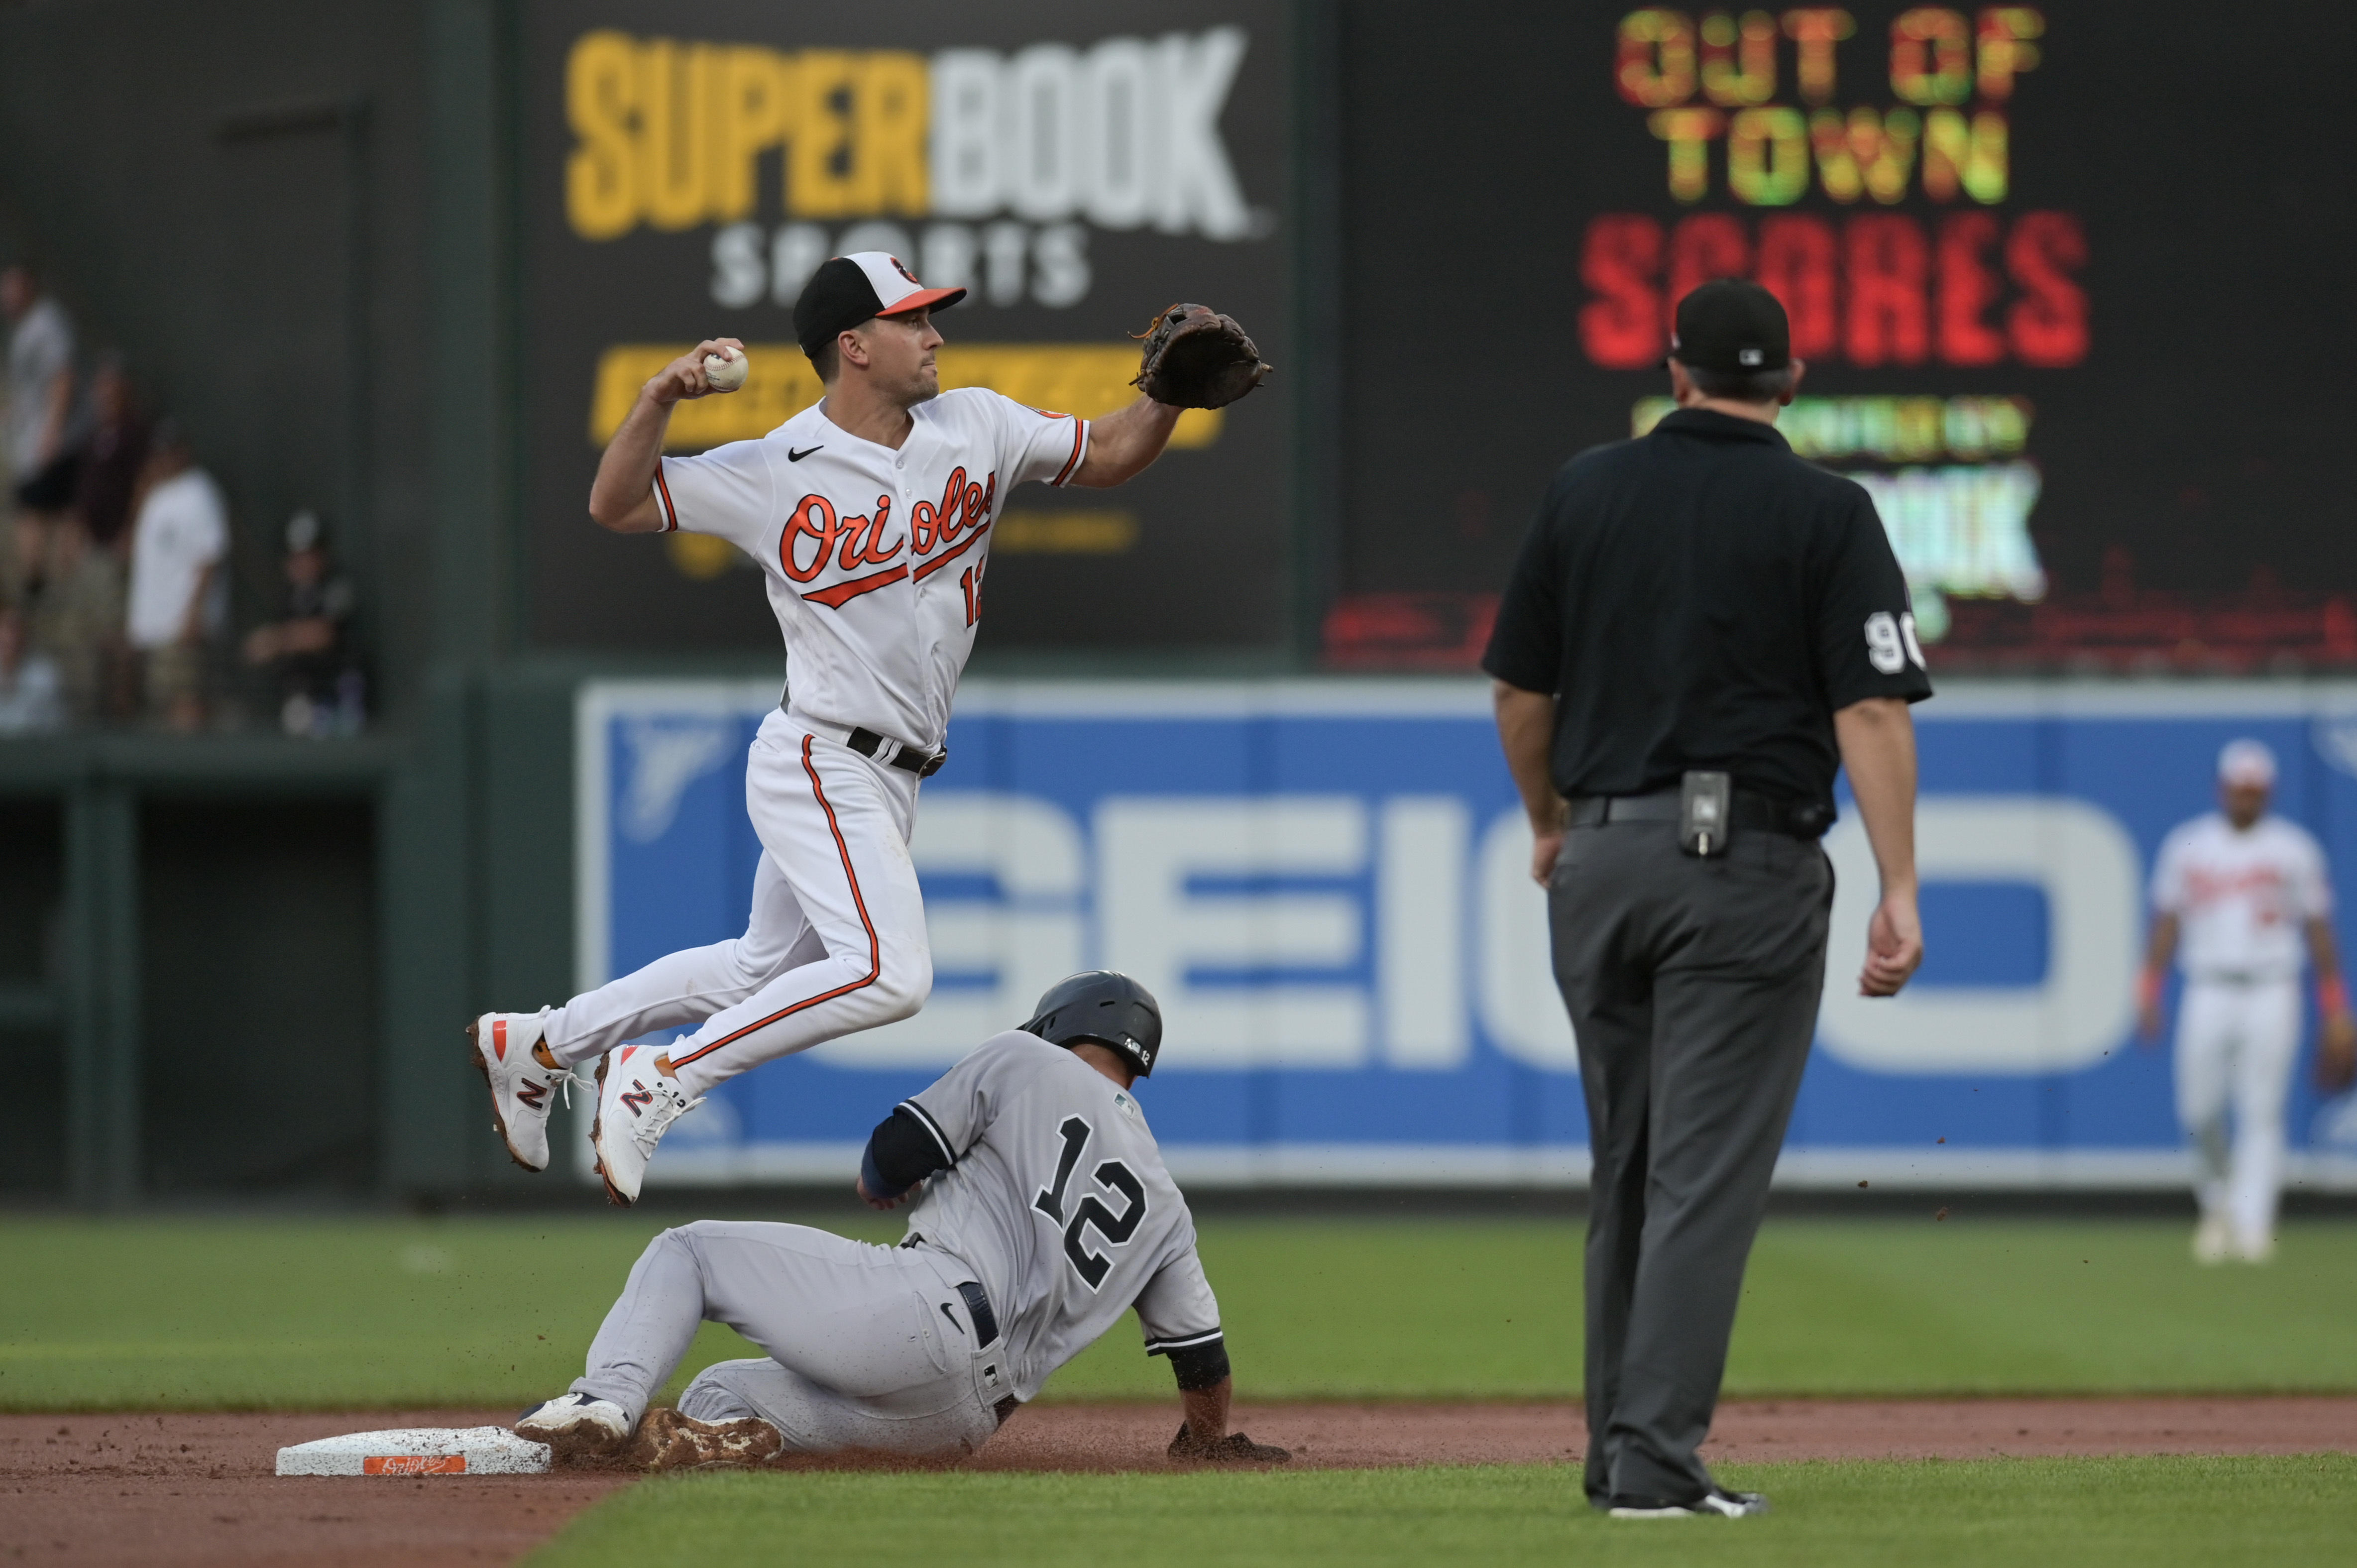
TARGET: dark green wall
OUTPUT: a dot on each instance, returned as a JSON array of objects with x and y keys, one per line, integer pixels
[{"x": 293, "y": 219}]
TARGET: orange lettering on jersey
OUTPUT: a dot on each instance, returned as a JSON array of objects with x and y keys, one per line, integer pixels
[
  {"x": 852, "y": 529},
  {"x": 927, "y": 569},
  {"x": 868, "y": 554},
  {"x": 814, "y": 518},
  {"x": 930, "y": 524},
  {"x": 834, "y": 595},
  {"x": 953, "y": 519}
]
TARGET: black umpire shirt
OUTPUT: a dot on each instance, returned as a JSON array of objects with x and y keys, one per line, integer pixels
[{"x": 1701, "y": 598}]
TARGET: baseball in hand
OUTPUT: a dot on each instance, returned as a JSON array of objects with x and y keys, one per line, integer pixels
[{"x": 726, "y": 371}]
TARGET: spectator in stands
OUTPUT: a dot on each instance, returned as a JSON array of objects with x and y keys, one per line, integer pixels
[
  {"x": 111, "y": 458},
  {"x": 178, "y": 589},
  {"x": 82, "y": 579},
  {"x": 74, "y": 615},
  {"x": 30, "y": 699},
  {"x": 309, "y": 645},
  {"x": 42, "y": 430}
]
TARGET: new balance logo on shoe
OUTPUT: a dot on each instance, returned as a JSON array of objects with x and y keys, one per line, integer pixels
[
  {"x": 638, "y": 1098},
  {"x": 533, "y": 1094}
]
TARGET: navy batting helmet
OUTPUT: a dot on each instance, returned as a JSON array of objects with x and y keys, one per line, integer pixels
[{"x": 1105, "y": 1006}]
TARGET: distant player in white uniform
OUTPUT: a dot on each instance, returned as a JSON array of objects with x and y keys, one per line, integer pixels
[
  {"x": 2234, "y": 893},
  {"x": 870, "y": 514},
  {"x": 1046, "y": 1215}
]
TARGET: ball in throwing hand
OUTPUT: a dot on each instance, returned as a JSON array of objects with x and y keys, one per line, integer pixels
[{"x": 726, "y": 371}]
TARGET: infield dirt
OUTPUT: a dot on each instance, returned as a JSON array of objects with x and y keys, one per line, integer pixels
[{"x": 198, "y": 1489}]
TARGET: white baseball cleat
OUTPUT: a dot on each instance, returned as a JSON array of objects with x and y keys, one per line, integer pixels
[
  {"x": 575, "y": 1425},
  {"x": 2212, "y": 1240},
  {"x": 2257, "y": 1248},
  {"x": 521, "y": 1090},
  {"x": 636, "y": 1105}
]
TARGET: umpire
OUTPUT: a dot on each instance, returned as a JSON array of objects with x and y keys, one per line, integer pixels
[{"x": 1700, "y": 628}]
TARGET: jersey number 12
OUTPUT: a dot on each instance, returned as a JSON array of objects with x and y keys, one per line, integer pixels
[{"x": 1092, "y": 1214}]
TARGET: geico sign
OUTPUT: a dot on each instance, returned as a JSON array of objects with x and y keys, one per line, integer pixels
[
  {"x": 1247, "y": 976},
  {"x": 2079, "y": 857},
  {"x": 1124, "y": 134}
]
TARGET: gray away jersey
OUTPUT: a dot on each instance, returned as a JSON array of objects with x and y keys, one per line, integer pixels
[{"x": 1056, "y": 1197}]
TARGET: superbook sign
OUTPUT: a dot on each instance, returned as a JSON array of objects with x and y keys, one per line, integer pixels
[
  {"x": 1324, "y": 884},
  {"x": 686, "y": 171}
]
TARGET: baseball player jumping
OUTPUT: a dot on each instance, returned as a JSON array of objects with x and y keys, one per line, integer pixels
[
  {"x": 869, "y": 513},
  {"x": 1046, "y": 1214},
  {"x": 2239, "y": 889}
]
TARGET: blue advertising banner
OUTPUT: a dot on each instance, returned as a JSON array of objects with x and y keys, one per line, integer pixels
[{"x": 1324, "y": 883}]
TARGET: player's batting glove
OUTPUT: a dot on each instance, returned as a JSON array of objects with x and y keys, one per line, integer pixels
[
  {"x": 1196, "y": 358},
  {"x": 1235, "y": 1448}
]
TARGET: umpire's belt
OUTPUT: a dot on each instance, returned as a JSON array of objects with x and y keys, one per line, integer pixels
[
  {"x": 1750, "y": 810},
  {"x": 883, "y": 749},
  {"x": 977, "y": 1307}
]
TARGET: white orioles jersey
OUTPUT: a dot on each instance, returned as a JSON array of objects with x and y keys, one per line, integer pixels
[
  {"x": 874, "y": 558},
  {"x": 2241, "y": 898},
  {"x": 1056, "y": 1199}
]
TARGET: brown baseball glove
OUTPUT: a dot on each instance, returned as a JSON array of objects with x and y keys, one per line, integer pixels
[
  {"x": 1235, "y": 1448},
  {"x": 1196, "y": 358}
]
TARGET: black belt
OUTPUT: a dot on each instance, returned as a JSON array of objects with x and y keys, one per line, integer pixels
[
  {"x": 1750, "y": 810},
  {"x": 977, "y": 1307},
  {"x": 924, "y": 764}
]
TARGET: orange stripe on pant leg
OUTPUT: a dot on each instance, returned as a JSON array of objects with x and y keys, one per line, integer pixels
[{"x": 875, "y": 948}]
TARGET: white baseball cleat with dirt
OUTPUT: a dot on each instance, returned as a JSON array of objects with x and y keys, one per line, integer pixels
[
  {"x": 575, "y": 1425},
  {"x": 636, "y": 1105},
  {"x": 521, "y": 1088},
  {"x": 669, "y": 1441}
]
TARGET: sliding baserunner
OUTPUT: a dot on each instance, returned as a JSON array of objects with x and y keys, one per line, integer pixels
[
  {"x": 870, "y": 515},
  {"x": 1046, "y": 1215}
]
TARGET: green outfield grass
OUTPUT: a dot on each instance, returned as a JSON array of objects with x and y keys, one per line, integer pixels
[
  {"x": 2136, "y": 1513},
  {"x": 202, "y": 1313}
]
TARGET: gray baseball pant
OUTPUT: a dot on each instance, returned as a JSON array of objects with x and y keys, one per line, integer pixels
[
  {"x": 1693, "y": 986},
  {"x": 867, "y": 1347}
]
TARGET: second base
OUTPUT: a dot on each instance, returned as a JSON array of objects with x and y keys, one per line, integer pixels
[{"x": 418, "y": 1451}]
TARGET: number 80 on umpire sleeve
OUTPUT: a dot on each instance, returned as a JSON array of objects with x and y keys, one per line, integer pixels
[
  {"x": 1890, "y": 643},
  {"x": 1092, "y": 1214}
]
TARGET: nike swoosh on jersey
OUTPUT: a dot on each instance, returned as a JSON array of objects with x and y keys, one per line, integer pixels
[{"x": 794, "y": 456}]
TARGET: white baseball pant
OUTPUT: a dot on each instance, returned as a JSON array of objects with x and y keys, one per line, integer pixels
[
  {"x": 869, "y": 1347},
  {"x": 2235, "y": 1042},
  {"x": 835, "y": 941}
]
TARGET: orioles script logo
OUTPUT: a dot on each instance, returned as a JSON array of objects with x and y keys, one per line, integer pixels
[{"x": 851, "y": 543}]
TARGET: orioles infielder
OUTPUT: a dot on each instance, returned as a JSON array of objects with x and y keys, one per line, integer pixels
[
  {"x": 1046, "y": 1215},
  {"x": 2238, "y": 889},
  {"x": 869, "y": 513}
]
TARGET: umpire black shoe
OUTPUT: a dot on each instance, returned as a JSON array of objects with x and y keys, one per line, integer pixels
[{"x": 1716, "y": 1503}]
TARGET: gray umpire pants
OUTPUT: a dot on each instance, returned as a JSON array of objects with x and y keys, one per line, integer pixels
[
  {"x": 869, "y": 1347},
  {"x": 1693, "y": 986}
]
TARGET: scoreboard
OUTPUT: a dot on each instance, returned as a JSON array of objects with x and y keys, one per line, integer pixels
[{"x": 2064, "y": 279}]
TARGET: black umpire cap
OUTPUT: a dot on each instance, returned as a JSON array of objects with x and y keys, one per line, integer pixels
[
  {"x": 1732, "y": 325},
  {"x": 848, "y": 290}
]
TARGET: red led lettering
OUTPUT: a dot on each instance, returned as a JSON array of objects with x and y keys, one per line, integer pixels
[
  {"x": 1968, "y": 288},
  {"x": 1621, "y": 329},
  {"x": 1797, "y": 261},
  {"x": 1886, "y": 263},
  {"x": 2047, "y": 326}
]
